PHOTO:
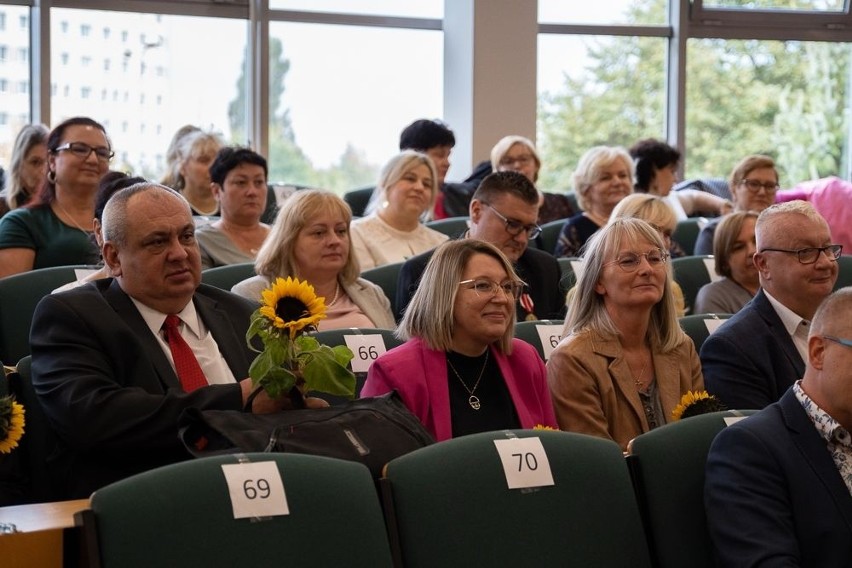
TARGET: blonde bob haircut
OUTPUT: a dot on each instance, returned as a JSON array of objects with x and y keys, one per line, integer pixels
[
  {"x": 650, "y": 208},
  {"x": 499, "y": 151},
  {"x": 394, "y": 171},
  {"x": 276, "y": 256},
  {"x": 589, "y": 168},
  {"x": 430, "y": 315},
  {"x": 725, "y": 237},
  {"x": 587, "y": 311}
]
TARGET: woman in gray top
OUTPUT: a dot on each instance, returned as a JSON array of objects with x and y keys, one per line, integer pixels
[{"x": 733, "y": 249}]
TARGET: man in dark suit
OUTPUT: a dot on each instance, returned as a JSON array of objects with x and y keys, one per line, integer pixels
[
  {"x": 103, "y": 369},
  {"x": 503, "y": 212},
  {"x": 778, "y": 488},
  {"x": 756, "y": 355}
]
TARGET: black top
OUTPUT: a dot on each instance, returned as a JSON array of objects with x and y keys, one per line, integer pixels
[{"x": 496, "y": 411}]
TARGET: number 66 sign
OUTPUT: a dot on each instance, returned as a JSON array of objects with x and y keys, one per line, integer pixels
[{"x": 366, "y": 348}]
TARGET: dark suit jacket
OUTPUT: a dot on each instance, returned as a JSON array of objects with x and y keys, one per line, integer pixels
[
  {"x": 751, "y": 360},
  {"x": 537, "y": 268},
  {"x": 773, "y": 494},
  {"x": 109, "y": 390}
]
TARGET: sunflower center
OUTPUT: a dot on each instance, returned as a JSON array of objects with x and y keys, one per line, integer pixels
[{"x": 290, "y": 309}]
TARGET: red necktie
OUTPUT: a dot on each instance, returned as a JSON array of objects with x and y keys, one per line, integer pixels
[{"x": 188, "y": 370}]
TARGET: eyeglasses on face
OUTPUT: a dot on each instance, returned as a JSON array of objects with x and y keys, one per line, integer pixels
[
  {"x": 839, "y": 340},
  {"x": 811, "y": 254},
  {"x": 522, "y": 160},
  {"x": 630, "y": 261},
  {"x": 485, "y": 288},
  {"x": 754, "y": 185},
  {"x": 515, "y": 228},
  {"x": 83, "y": 151}
]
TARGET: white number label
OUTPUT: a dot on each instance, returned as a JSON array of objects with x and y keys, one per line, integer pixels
[
  {"x": 710, "y": 265},
  {"x": 367, "y": 348},
  {"x": 713, "y": 324},
  {"x": 549, "y": 335},
  {"x": 256, "y": 489},
  {"x": 524, "y": 462}
]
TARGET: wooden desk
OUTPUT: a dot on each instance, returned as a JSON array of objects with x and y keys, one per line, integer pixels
[{"x": 40, "y": 540}]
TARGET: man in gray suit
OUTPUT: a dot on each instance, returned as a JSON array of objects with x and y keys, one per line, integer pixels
[{"x": 759, "y": 353}]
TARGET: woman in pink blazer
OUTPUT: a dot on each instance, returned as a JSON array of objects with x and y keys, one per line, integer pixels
[{"x": 461, "y": 371}]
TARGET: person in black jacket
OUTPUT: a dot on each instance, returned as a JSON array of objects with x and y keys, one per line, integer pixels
[{"x": 503, "y": 212}]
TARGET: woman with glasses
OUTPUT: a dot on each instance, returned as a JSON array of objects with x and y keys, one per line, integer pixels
[
  {"x": 753, "y": 183},
  {"x": 461, "y": 371},
  {"x": 27, "y": 168},
  {"x": 604, "y": 176},
  {"x": 393, "y": 229},
  {"x": 56, "y": 228},
  {"x": 624, "y": 362},
  {"x": 518, "y": 154}
]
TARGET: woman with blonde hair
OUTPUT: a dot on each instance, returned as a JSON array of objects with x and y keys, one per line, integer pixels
[
  {"x": 310, "y": 241},
  {"x": 27, "y": 168},
  {"x": 624, "y": 362},
  {"x": 393, "y": 229},
  {"x": 461, "y": 371},
  {"x": 189, "y": 173}
]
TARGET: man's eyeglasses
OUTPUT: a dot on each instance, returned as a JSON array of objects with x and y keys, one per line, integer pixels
[
  {"x": 754, "y": 185},
  {"x": 630, "y": 261},
  {"x": 515, "y": 228},
  {"x": 485, "y": 288},
  {"x": 811, "y": 254},
  {"x": 839, "y": 340},
  {"x": 83, "y": 151}
]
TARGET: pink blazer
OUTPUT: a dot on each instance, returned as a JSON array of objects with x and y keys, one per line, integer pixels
[{"x": 419, "y": 375}]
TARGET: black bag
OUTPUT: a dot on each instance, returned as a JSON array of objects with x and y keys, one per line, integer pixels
[{"x": 371, "y": 431}]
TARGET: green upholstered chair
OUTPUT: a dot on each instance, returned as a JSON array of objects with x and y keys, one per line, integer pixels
[
  {"x": 569, "y": 275},
  {"x": 181, "y": 515},
  {"x": 386, "y": 277},
  {"x": 686, "y": 233},
  {"x": 449, "y": 505},
  {"x": 550, "y": 234},
  {"x": 451, "y": 226},
  {"x": 334, "y": 337},
  {"x": 528, "y": 331},
  {"x": 692, "y": 272},
  {"x": 19, "y": 295},
  {"x": 667, "y": 466},
  {"x": 225, "y": 277},
  {"x": 357, "y": 199},
  {"x": 699, "y": 326},
  {"x": 844, "y": 271}
]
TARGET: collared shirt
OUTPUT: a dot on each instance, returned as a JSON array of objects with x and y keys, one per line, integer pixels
[
  {"x": 837, "y": 438},
  {"x": 795, "y": 325},
  {"x": 196, "y": 335}
]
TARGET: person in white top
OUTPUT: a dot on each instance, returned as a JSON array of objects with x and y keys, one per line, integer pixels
[{"x": 393, "y": 229}]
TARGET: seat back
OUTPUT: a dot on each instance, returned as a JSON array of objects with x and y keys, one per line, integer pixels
[
  {"x": 693, "y": 272},
  {"x": 667, "y": 467},
  {"x": 19, "y": 295},
  {"x": 385, "y": 277},
  {"x": 699, "y": 326},
  {"x": 686, "y": 233},
  {"x": 357, "y": 199},
  {"x": 451, "y": 226},
  {"x": 544, "y": 335},
  {"x": 449, "y": 505},
  {"x": 225, "y": 277},
  {"x": 550, "y": 234},
  {"x": 364, "y": 353},
  {"x": 570, "y": 267},
  {"x": 182, "y": 515},
  {"x": 844, "y": 272},
  {"x": 39, "y": 440}
]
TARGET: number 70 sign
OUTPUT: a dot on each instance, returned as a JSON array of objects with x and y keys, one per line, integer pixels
[{"x": 525, "y": 462}]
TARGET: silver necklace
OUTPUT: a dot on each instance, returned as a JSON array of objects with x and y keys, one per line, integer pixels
[{"x": 473, "y": 400}]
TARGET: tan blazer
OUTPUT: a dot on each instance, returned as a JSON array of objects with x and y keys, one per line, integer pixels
[{"x": 593, "y": 390}]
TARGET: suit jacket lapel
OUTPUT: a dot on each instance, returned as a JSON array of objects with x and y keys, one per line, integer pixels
[
  {"x": 435, "y": 372},
  {"x": 667, "y": 370},
  {"x": 514, "y": 388},
  {"x": 779, "y": 332},
  {"x": 620, "y": 373},
  {"x": 124, "y": 307},
  {"x": 230, "y": 344}
]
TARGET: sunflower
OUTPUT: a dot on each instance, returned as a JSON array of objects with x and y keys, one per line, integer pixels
[
  {"x": 11, "y": 424},
  {"x": 694, "y": 403},
  {"x": 292, "y": 305}
]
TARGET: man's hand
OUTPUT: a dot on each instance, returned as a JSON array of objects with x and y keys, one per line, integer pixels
[{"x": 264, "y": 404}]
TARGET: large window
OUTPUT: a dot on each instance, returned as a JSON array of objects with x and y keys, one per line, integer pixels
[{"x": 14, "y": 77}]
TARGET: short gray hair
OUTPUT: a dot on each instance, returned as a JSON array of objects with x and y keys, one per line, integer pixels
[
  {"x": 592, "y": 162},
  {"x": 771, "y": 220},
  {"x": 114, "y": 221}
]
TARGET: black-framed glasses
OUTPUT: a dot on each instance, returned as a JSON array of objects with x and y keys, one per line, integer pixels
[
  {"x": 810, "y": 255},
  {"x": 515, "y": 228},
  {"x": 839, "y": 340},
  {"x": 485, "y": 288},
  {"x": 630, "y": 261},
  {"x": 754, "y": 185},
  {"x": 83, "y": 151}
]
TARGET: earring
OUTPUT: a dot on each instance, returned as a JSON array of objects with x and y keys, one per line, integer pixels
[{"x": 51, "y": 177}]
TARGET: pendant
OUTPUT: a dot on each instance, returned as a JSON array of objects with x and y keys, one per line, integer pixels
[{"x": 473, "y": 401}]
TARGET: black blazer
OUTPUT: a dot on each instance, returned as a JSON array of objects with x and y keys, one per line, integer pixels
[
  {"x": 773, "y": 494},
  {"x": 108, "y": 389},
  {"x": 538, "y": 269},
  {"x": 751, "y": 360}
]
